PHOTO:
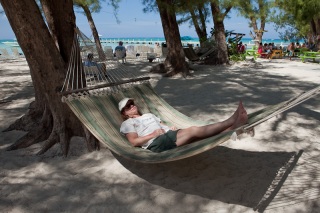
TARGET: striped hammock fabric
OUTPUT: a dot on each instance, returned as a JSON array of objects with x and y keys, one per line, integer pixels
[
  {"x": 100, "y": 114},
  {"x": 93, "y": 96}
]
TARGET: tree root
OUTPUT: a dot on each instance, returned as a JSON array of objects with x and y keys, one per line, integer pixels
[
  {"x": 38, "y": 133},
  {"x": 92, "y": 143},
  {"x": 42, "y": 128},
  {"x": 31, "y": 120},
  {"x": 35, "y": 136},
  {"x": 167, "y": 71},
  {"x": 52, "y": 140}
]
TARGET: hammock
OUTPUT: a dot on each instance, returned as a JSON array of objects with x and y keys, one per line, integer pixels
[
  {"x": 192, "y": 56},
  {"x": 96, "y": 106}
]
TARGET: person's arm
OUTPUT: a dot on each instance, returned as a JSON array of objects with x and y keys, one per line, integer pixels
[
  {"x": 173, "y": 128},
  {"x": 135, "y": 140}
]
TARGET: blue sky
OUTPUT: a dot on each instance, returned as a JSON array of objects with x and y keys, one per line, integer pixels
[{"x": 135, "y": 23}]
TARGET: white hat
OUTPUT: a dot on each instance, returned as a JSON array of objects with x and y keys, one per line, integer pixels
[{"x": 123, "y": 103}]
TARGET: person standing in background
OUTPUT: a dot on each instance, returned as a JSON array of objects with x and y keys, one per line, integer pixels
[{"x": 291, "y": 49}]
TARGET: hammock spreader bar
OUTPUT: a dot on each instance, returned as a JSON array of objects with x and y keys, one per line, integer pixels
[{"x": 106, "y": 85}]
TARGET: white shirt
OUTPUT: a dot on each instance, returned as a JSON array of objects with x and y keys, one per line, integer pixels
[{"x": 143, "y": 125}]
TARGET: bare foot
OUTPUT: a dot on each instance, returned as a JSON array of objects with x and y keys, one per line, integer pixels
[
  {"x": 242, "y": 118},
  {"x": 235, "y": 115},
  {"x": 234, "y": 118}
]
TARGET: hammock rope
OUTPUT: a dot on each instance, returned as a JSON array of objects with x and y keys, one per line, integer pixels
[
  {"x": 287, "y": 105},
  {"x": 93, "y": 93},
  {"x": 107, "y": 77}
]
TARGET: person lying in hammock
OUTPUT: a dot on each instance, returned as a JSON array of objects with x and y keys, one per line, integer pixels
[{"x": 147, "y": 130}]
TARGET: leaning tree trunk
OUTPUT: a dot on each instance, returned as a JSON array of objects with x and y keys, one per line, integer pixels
[
  {"x": 175, "y": 61},
  {"x": 317, "y": 22},
  {"x": 220, "y": 56},
  {"x": 48, "y": 64},
  {"x": 200, "y": 30},
  {"x": 95, "y": 34},
  {"x": 258, "y": 32}
]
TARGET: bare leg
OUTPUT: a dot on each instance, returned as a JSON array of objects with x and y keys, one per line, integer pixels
[{"x": 192, "y": 134}]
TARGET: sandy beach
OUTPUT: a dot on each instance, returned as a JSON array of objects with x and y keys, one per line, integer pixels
[{"x": 275, "y": 171}]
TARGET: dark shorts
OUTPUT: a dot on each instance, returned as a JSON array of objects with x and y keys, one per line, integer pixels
[{"x": 164, "y": 142}]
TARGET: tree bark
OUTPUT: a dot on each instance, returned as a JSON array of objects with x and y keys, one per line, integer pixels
[
  {"x": 200, "y": 28},
  {"x": 47, "y": 57},
  {"x": 317, "y": 34},
  {"x": 175, "y": 61},
  {"x": 95, "y": 34},
  {"x": 221, "y": 54}
]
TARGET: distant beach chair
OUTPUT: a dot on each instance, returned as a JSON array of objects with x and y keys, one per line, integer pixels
[
  {"x": 5, "y": 54},
  {"x": 144, "y": 52},
  {"x": 158, "y": 53},
  {"x": 16, "y": 53},
  {"x": 138, "y": 50},
  {"x": 109, "y": 54},
  {"x": 131, "y": 53},
  {"x": 107, "y": 48},
  {"x": 83, "y": 55},
  {"x": 164, "y": 52},
  {"x": 121, "y": 56}
]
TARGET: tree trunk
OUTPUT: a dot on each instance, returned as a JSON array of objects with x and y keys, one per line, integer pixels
[
  {"x": 221, "y": 54},
  {"x": 95, "y": 34},
  {"x": 47, "y": 57},
  {"x": 253, "y": 23},
  {"x": 175, "y": 61},
  {"x": 317, "y": 34},
  {"x": 257, "y": 33},
  {"x": 200, "y": 30}
]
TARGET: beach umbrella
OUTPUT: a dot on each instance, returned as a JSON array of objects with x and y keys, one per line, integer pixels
[{"x": 185, "y": 38}]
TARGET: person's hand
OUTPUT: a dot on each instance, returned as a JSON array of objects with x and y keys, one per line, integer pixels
[
  {"x": 173, "y": 128},
  {"x": 158, "y": 132}
]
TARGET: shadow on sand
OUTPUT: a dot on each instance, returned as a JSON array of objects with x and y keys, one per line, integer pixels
[{"x": 260, "y": 175}]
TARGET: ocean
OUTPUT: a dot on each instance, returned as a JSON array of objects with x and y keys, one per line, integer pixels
[
  {"x": 7, "y": 47},
  {"x": 113, "y": 42}
]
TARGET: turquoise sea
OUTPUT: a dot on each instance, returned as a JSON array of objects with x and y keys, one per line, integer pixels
[
  {"x": 113, "y": 42},
  {"x": 7, "y": 47},
  {"x": 194, "y": 41}
]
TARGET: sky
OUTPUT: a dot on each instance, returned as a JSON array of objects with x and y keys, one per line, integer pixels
[{"x": 135, "y": 23}]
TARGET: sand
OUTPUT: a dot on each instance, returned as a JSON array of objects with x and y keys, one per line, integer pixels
[{"x": 275, "y": 171}]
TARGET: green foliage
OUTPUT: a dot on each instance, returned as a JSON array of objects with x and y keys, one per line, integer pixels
[
  {"x": 286, "y": 26},
  {"x": 239, "y": 57},
  {"x": 233, "y": 39},
  {"x": 150, "y": 6},
  {"x": 234, "y": 55},
  {"x": 230, "y": 35},
  {"x": 254, "y": 9},
  {"x": 196, "y": 13},
  {"x": 293, "y": 17},
  {"x": 93, "y": 5},
  {"x": 184, "y": 10}
]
